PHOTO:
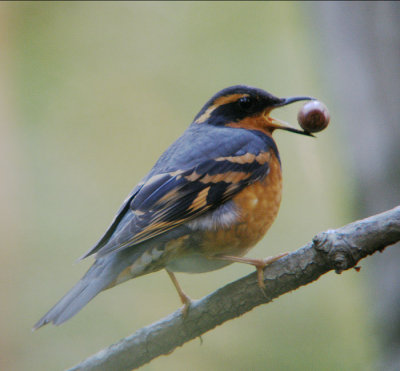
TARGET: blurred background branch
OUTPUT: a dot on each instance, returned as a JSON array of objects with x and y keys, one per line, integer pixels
[{"x": 337, "y": 250}]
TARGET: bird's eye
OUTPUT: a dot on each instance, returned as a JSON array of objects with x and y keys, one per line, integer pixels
[{"x": 246, "y": 103}]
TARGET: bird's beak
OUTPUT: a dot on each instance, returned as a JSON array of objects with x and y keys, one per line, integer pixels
[{"x": 279, "y": 124}]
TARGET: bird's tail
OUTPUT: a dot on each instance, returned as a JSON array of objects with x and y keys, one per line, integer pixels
[{"x": 99, "y": 276}]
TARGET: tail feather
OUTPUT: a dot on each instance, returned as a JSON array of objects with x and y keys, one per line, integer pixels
[{"x": 96, "y": 279}]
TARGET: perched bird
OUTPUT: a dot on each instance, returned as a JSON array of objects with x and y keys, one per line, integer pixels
[{"x": 208, "y": 199}]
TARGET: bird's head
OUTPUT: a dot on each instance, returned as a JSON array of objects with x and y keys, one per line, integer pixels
[{"x": 246, "y": 107}]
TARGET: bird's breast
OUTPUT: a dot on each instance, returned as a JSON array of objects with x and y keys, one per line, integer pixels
[
  {"x": 231, "y": 229},
  {"x": 257, "y": 206}
]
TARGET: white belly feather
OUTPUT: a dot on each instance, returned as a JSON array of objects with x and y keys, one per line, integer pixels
[{"x": 223, "y": 217}]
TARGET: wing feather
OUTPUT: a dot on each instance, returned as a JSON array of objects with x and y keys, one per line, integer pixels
[
  {"x": 171, "y": 196},
  {"x": 181, "y": 198}
]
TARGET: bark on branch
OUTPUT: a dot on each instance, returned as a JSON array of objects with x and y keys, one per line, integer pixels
[{"x": 337, "y": 250}]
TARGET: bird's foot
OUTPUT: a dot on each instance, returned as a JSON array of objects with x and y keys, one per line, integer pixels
[
  {"x": 187, "y": 302},
  {"x": 259, "y": 264}
]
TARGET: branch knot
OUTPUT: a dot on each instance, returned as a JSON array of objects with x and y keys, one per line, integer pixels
[{"x": 336, "y": 249}]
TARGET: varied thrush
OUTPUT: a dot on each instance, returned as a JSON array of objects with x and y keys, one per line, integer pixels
[{"x": 209, "y": 198}]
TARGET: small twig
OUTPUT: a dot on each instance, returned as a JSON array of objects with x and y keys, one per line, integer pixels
[{"x": 337, "y": 250}]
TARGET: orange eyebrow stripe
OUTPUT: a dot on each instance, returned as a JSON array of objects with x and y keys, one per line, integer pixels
[
  {"x": 228, "y": 99},
  {"x": 217, "y": 103}
]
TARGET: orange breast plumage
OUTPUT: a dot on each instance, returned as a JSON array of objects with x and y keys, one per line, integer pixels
[
  {"x": 247, "y": 218},
  {"x": 257, "y": 207}
]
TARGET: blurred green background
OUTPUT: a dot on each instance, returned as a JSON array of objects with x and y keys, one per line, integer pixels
[{"x": 92, "y": 94}]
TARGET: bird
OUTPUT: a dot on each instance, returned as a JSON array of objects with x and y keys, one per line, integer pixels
[{"x": 209, "y": 198}]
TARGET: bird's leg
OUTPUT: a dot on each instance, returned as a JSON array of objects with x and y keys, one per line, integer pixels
[
  {"x": 184, "y": 298},
  {"x": 259, "y": 264}
]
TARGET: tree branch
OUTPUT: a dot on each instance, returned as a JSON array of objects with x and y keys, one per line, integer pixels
[{"x": 337, "y": 250}]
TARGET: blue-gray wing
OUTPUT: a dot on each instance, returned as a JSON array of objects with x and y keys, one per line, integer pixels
[{"x": 168, "y": 199}]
